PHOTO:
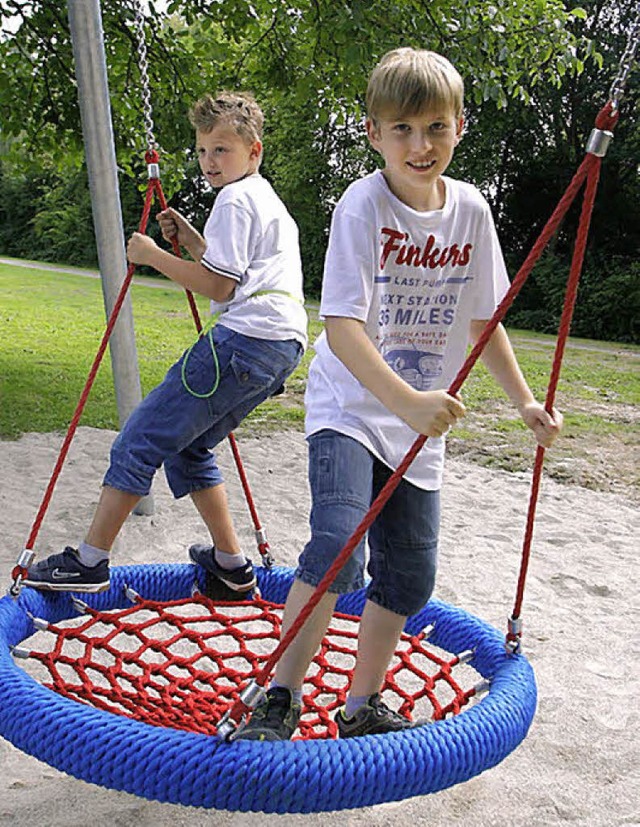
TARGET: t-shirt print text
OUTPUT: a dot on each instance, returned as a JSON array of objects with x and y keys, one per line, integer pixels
[{"x": 404, "y": 251}]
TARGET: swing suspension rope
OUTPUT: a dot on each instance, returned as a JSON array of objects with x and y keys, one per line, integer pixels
[
  {"x": 154, "y": 188},
  {"x": 589, "y": 172}
]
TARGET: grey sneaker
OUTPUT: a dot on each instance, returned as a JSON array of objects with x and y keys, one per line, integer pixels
[
  {"x": 224, "y": 584},
  {"x": 274, "y": 719},
  {"x": 65, "y": 573},
  {"x": 373, "y": 718}
]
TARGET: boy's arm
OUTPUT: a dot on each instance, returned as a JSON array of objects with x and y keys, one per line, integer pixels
[
  {"x": 190, "y": 274},
  {"x": 500, "y": 360},
  {"x": 426, "y": 412}
]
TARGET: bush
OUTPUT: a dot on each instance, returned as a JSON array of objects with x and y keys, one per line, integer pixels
[{"x": 608, "y": 303}]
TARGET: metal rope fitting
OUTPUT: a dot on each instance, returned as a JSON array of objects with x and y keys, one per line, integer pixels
[
  {"x": 14, "y": 588},
  {"x": 226, "y": 728},
  {"x": 599, "y": 141},
  {"x": 263, "y": 547},
  {"x": 513, "y": 642},
  {"x": 466, "y": 656},
  {"x": 482, "y": 687},
  {"x": 515, "y": 626},
  {"x": 131, "y": 594},
  {"x": 23, "y": 562},
  {"x": 79, "y": 605},
  {"x": 250, "y": 696},
  {"x": 39, "y": 623},
  {"x": 26, "y": 558}
]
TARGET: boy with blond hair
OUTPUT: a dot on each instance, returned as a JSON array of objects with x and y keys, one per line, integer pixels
[
  {"x": 248, "y": 264},
  {"x": 413, "y": 270}
]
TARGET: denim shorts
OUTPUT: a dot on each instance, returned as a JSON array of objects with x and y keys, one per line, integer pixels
[
  {"x": 177, "y": 424},
  {"x": 345, "y": 478}
]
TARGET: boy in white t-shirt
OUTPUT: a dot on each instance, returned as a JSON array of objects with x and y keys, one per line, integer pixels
[
  {"x": 413, "y": 270},
  {"x": 248, "y": 264}
]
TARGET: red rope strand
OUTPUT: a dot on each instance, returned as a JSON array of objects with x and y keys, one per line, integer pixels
[
  {"x": 563, "y": 334},
  {"x": 604, "y": 120},
  {"x": 113, "y": 317},
  {"x": 154, "y": 186}
]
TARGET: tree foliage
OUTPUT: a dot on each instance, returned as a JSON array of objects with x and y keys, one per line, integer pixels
[{"x": 535, "y": 74}]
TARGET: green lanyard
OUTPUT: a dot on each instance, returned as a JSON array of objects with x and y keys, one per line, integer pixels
[{"x": 208, "y": 332}]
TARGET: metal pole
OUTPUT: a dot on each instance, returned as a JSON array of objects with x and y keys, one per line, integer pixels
[{"x": 85, "y": 23}]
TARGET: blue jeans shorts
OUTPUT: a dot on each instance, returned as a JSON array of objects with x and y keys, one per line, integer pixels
[
  {"x": 177, "y": 427},
  {"x": 345, "y": 478}
]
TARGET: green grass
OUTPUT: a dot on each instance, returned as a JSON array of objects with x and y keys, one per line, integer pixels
[{"x": 52, "y": 323}]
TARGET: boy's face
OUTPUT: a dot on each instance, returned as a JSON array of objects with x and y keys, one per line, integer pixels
[
  {"x": 416, "y": 149},
  {"x": 225, "y": 156}
]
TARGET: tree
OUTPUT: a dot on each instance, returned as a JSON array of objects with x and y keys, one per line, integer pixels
[
  {"x": 307, "y": 63},
  {"x": 541, "y": 147}
]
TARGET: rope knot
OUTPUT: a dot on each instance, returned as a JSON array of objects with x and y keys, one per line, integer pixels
[{"x": 151, "y": 156}]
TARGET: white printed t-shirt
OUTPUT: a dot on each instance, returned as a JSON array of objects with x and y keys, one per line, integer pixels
[
  {"x": 416, "y": 280},
  {"x": 252, "y": 239}
]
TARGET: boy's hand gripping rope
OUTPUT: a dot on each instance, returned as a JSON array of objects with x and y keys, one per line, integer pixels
[{"x": 589, "y": 169}]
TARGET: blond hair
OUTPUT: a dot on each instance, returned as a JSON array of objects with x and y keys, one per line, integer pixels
[
  {"x": 238, "y": 110},
  {"x": 408, "y": 81}
]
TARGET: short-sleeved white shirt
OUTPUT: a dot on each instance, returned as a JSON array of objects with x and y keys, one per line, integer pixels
[
  {"x": 252, "y": 239},
  {"x": 416, "y": 280}
]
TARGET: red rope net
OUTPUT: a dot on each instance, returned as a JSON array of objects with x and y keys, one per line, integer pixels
[{"x": 182, "y": 664}]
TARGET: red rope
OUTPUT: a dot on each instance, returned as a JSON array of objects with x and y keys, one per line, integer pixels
[
  {"x": 604, "y": 120},
  {"x": 263, "y": 546},
  {"x": 19, "y": 571},
  {"x": 182, "y": 664},
  {"x": 593, "y": 176},
  {"x": 153, "y": 187}
]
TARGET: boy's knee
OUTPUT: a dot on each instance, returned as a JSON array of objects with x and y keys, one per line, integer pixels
[
  {"x": 185, "y": 475},
  {"x": 405, "y": 589},
  {"x": 321, "y": 552}
]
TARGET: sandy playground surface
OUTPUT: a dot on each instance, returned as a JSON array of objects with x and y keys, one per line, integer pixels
[{"x": 580, "y": 762}]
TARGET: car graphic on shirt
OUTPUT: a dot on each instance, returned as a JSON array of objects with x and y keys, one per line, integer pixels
[{"x": 418, "y": 368}]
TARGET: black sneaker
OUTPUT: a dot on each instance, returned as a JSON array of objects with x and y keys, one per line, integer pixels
[
  {"x": 224, "y": 584},
  {"x": 65, "y": 573},
  {"x": 373, "y": 718},
  {"x": 274, "y": 719}
]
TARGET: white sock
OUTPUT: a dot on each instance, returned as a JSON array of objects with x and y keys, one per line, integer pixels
[
  {"x": 90, "y": 555},
  {"x": 229, "y": 561}
]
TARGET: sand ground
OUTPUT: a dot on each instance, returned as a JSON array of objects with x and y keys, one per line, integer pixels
[{"x": 579, "y": 763}]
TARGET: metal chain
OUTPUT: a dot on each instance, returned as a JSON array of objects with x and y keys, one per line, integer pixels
[
  {"x": 626, "y": 62},
  {"x": 144, "y": 75}
]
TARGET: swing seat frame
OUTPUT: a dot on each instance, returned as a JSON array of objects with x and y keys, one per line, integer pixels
[{"x": 193, "y": 769}]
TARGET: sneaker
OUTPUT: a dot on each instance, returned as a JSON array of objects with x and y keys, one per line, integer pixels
[
  {"x": 373, "y": 718},
  {"x": 274, "y": 719},
  {"x": 224, "y": 584},
  {"x": 65, "y": 573}
]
